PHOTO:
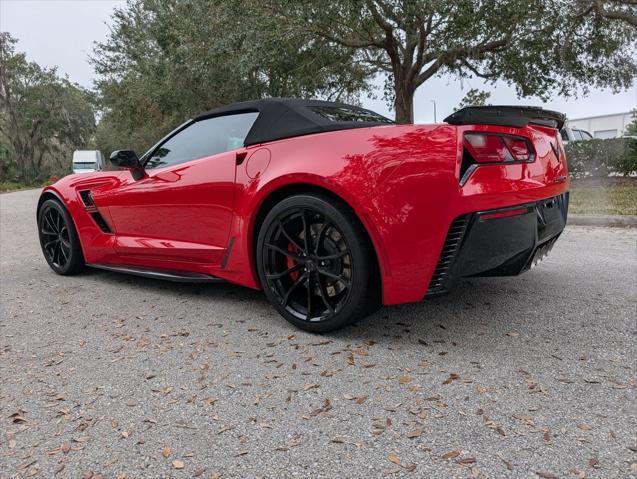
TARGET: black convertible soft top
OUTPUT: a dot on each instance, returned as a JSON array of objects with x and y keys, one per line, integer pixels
[{"x": 287, "y": 117}]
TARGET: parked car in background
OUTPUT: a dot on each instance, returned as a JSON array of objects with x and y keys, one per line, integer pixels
[
  {"x": 574, "y": 134},
  {"x": 87, "y": 161}
]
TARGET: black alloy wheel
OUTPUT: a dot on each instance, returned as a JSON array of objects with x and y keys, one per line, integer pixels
[
  {"x": 58, "y": 239},
  {"x": 315, "y": 263}
]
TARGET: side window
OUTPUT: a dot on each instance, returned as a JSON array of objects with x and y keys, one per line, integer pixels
[{"x": 203, "y": 138}]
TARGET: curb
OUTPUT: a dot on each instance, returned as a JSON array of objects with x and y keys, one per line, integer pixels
[{"x": 626, "y": 221}]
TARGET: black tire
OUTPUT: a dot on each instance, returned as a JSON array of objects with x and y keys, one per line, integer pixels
[
  {"x": 326, "y": 284},
  {"x": 58, "y": 238}
]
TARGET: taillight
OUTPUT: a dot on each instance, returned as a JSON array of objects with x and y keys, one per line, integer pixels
[
  {"x": 518, "y": 147},
  {"x": 496, "y": 148}
]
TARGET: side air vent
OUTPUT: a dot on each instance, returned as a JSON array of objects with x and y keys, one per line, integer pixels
[
  {"x": 87, "y": 198},
  {"x": 101, "y": 222},
  {"x": 448, "y": 255},
  {"x": 89, "y": 204}
]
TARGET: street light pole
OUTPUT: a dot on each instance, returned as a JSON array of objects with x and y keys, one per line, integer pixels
[{"x": 434, "y": 102}]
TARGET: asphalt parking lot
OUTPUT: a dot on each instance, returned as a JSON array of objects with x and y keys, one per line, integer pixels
[{"x": 106, "y": 375}]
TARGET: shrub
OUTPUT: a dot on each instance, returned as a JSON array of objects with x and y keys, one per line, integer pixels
[{"x": 601, "y": 158}]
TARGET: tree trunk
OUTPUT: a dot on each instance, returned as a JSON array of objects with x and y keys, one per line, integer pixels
[{"x": 404, "y": 102}]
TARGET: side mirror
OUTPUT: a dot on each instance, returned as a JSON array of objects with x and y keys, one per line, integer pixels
[
  {"x": 125, "y": 159},
  {"x": 128, "y": 159}
]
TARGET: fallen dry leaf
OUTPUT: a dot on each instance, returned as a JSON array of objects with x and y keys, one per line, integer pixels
[
  {"x": 452, "y": 377},
  {"x": 165, "y": 452},
  {"x": 451, "y": 454},
  {"x": 394, "y": 458},
  {"x": 18, "y": 417},
  {"x": 177, "y": 464},
  {"x": 415, "y": 433}
]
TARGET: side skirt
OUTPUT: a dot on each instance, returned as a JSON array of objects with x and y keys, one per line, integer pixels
[{"x": 176, "y": 276}]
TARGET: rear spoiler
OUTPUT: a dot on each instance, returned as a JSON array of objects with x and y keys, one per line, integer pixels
[{"x": 517, "y": 116}]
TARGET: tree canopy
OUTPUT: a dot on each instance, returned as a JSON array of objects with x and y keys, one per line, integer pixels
[
  {"x": 474, "y": 97},
  {"x": 42, "y": 117},
  {"x": 541, "y": 47},
  {"x": 631, "y": 128},
  {"x": 168, "y": 60}
]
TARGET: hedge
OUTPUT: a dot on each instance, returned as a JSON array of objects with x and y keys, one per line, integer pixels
[{"x": 602, "y": 158}]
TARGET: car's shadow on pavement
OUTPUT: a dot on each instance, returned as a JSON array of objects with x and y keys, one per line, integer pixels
[{"x": 458, "y": 316}]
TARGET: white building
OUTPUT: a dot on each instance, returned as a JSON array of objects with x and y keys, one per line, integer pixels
[{"x": 604, "y": 126}]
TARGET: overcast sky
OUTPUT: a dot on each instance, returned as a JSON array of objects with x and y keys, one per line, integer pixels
[{"x": 62, "y": 32}]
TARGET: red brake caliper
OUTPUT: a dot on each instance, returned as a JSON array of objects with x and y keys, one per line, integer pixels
[{"x": 290, "y": 262}]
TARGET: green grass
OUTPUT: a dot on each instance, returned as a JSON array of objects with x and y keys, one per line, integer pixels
[
  {"x": 6, "y": 186},
  {"x": 603, "y": 200}
]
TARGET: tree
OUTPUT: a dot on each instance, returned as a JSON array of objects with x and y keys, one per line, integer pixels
[
  {"x": 542, "y": 47},
  {"x": 631, "y": 128},
  {"x": 43, "y": 117},
  {"x": 166, "y": 61},
  {"x": 474, "y": 97},
  {"x": 623, "y": 10}
]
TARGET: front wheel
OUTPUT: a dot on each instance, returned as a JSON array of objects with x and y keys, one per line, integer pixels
[
  {"x": 316, "y": 264},
  {"x": 58, "y": 239}
]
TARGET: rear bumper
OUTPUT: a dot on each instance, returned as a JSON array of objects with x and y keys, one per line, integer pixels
[{"x": 503, "y": 242}]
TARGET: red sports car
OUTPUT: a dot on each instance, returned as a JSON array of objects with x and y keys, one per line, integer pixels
[{"x": 331, "y": 209}]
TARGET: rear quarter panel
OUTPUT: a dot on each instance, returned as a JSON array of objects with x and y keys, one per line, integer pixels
[{"x": 398, "y": 180}]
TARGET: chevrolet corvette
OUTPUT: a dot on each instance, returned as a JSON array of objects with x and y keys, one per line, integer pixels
[{"x": 333, "y": 210}]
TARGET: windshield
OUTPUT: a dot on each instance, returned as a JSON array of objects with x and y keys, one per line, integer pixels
[{"x": 84, "y": 165}]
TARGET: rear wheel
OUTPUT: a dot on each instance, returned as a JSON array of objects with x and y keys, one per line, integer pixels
[
  {"x": 58, "y": 239},
  {"x": 315, "y": 263}
]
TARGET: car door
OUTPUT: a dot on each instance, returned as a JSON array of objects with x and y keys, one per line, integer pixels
[{"x": 182, "y": 210}]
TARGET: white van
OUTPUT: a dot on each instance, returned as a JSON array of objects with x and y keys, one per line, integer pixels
[{"x": 87, "y": 161}]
